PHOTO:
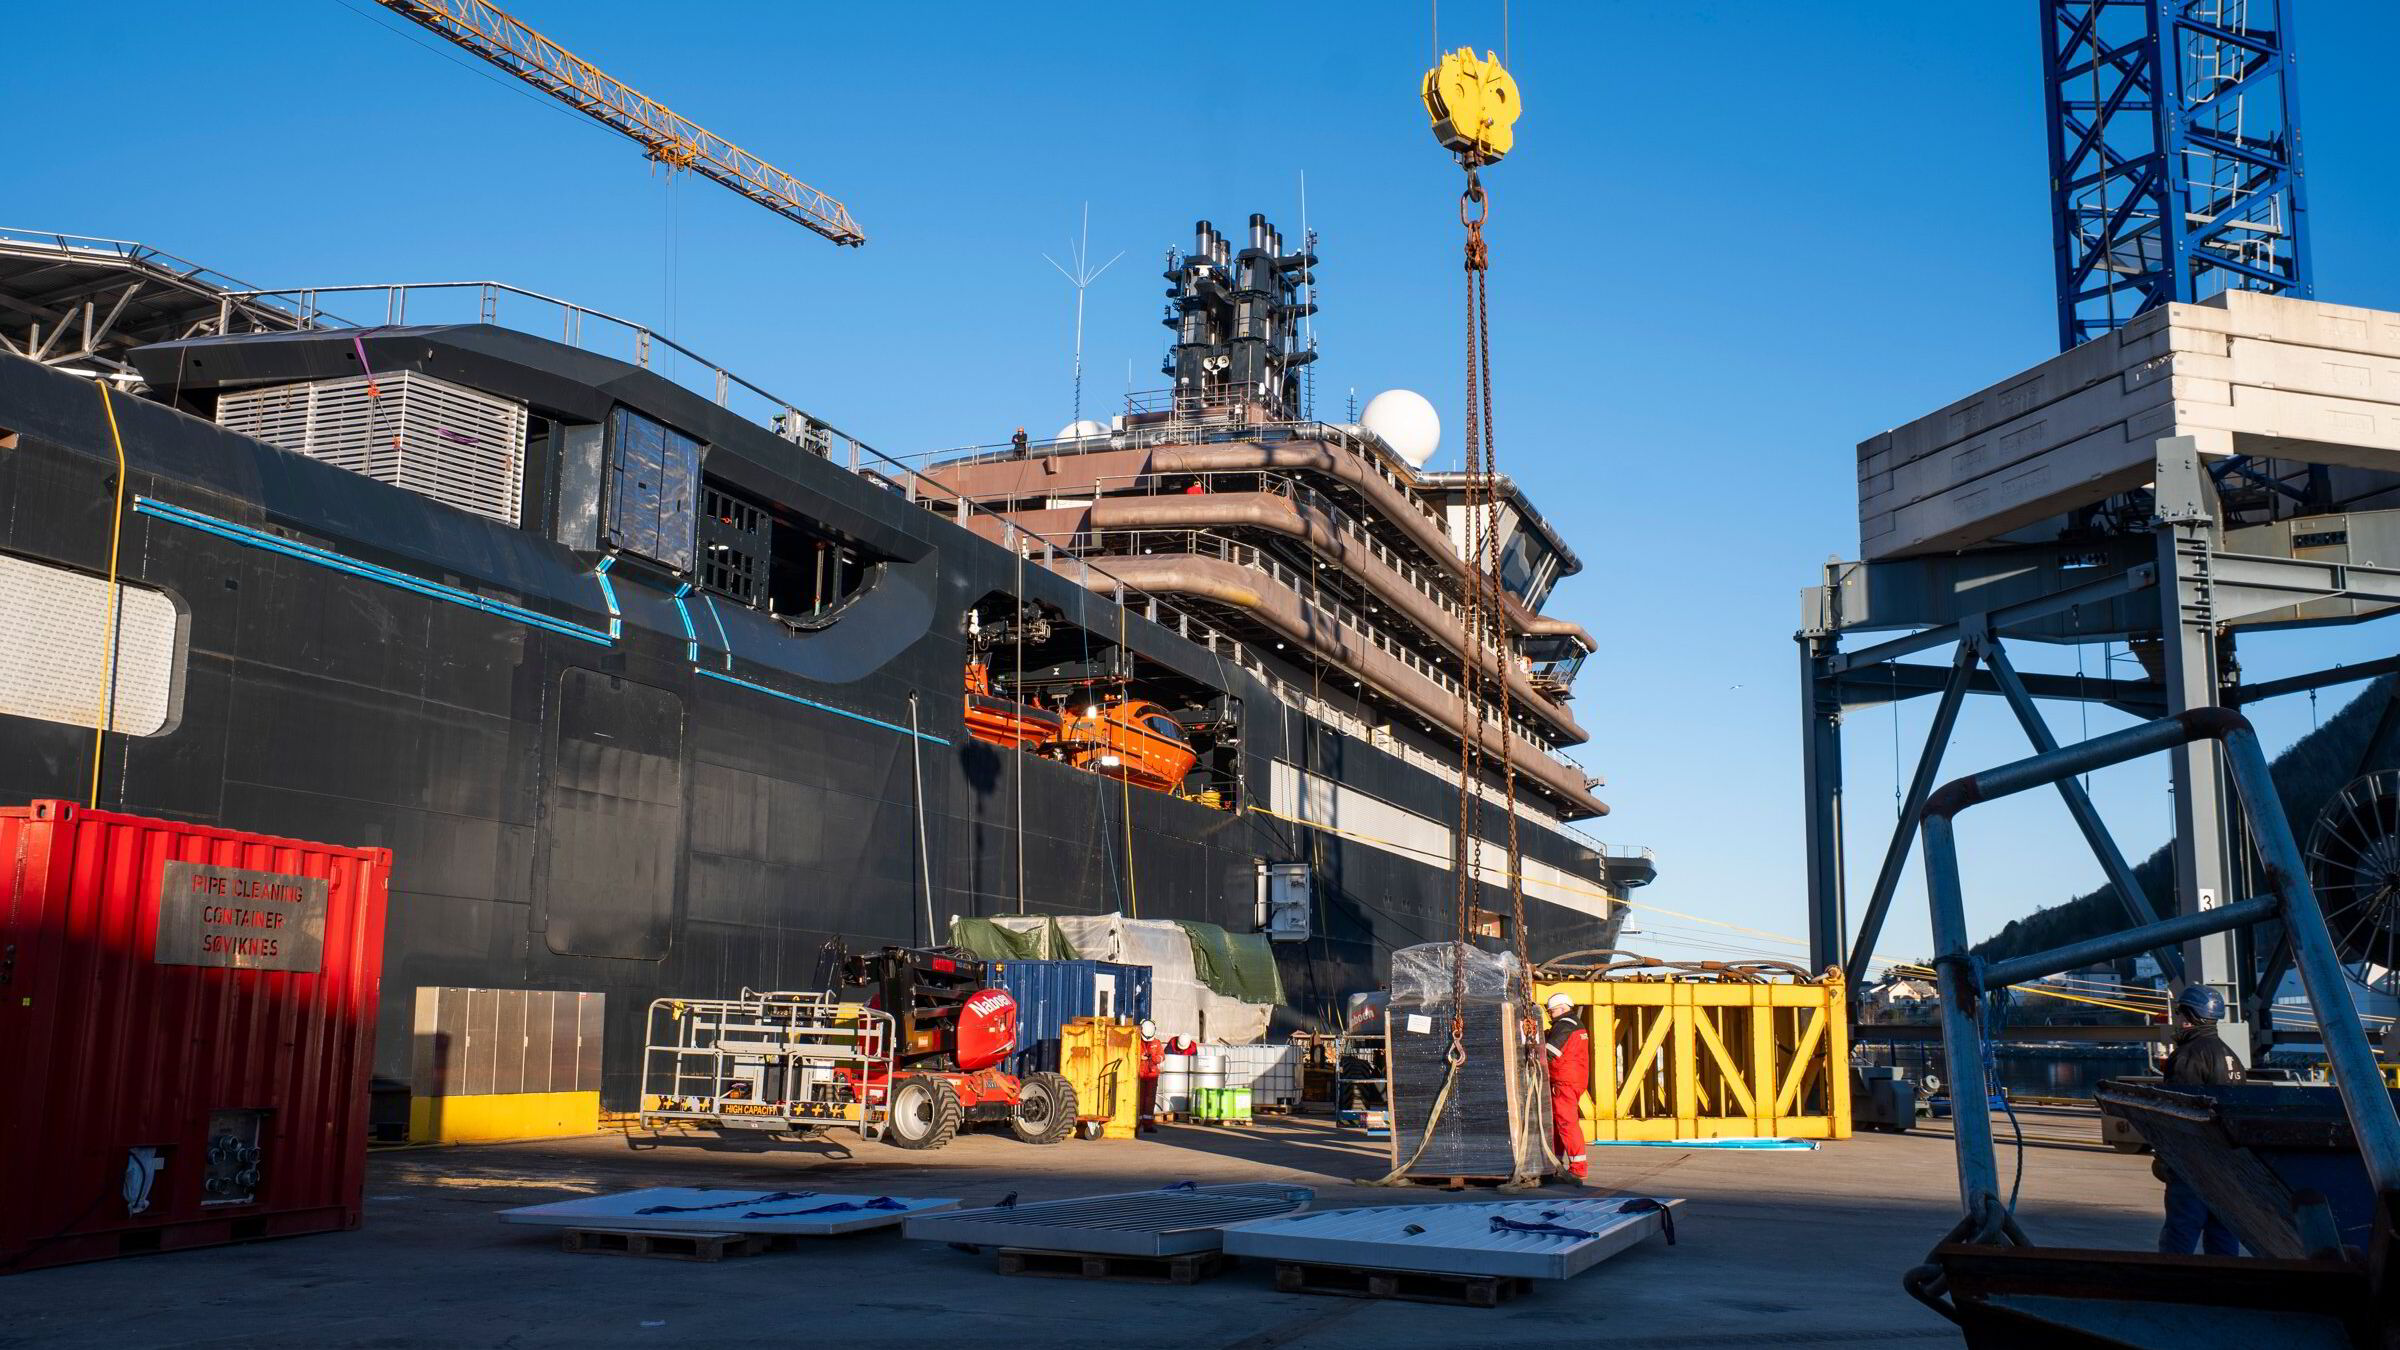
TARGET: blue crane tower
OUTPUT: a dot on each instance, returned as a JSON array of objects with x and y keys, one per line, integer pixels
[{"x": 2174, "y": 155}]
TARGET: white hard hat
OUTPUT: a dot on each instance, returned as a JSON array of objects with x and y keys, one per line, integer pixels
[
  {"x": 1559, "y": 1003},
  {"x": 1149, "y": 1030}
]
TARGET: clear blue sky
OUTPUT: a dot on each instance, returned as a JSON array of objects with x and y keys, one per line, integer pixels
[{"x": 1736, "y": 238}]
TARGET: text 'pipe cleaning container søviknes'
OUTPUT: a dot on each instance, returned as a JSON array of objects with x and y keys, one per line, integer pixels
[{"x": 187, "y": 1020}]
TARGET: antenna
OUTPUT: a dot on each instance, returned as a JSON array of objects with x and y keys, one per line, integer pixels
[{"x": 1081, "y": 278}]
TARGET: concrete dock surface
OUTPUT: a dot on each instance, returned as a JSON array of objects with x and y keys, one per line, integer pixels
[{"x": 1774, "y": 1248}]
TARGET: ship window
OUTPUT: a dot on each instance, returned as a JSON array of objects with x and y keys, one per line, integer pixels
[
  {"x": 1517, "y": 560},
  {"x": 734, "y": 544},
  {"x": 54, "y": 631},
  {"x": 1164, "y": 726},
  {"x": 653, "y": 478},
  {"x": 816, "y": 576},
  {"x": 758, "y": 555}
]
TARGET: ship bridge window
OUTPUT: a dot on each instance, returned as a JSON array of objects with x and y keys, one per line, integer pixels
[
  {"x": 758, "y": 555},
  {"x": 651, "y": 489},
  {"x": 1520, "y": 562},
  {"x": 1557, "y": 658}
]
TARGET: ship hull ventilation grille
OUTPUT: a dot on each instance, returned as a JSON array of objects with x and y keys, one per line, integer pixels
[{"x": 457, "y": 445}]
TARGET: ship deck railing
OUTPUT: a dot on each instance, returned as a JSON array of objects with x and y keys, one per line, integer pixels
[
  {"x": 1277, "y": 484},
  {"x": 1196, "y": 430},
  {"x": 579, "y": 326}
]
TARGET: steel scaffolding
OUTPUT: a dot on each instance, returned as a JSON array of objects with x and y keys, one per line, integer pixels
[
  {"x": 2174, "y": 155},
  {"x": 2179, "y": 594}
]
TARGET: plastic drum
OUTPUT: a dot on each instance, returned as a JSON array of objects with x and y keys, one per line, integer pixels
[
  {"x": 1208, "y": 1070},
  {"x": 1175, "y": 1084}
]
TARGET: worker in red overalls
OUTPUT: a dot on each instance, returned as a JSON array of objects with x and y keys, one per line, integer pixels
[
  {"x": 1154, "y": 1051},
  {"x": 1570, "y": 1054}
]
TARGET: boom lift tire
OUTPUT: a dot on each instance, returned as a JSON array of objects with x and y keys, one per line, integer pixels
[
  {"x": 1045, "y": 1112},
  {"x": 924, "y": 1112}
]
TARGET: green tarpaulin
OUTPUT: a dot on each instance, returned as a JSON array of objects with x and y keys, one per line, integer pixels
[
  {"x": 994, "y": 943},
  {"x": 1237, "y": 965}
]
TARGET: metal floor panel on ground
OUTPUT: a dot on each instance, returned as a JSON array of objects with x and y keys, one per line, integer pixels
[
  {"x": 1171, "y": 1222},
  {"x": 1458, "y": 1239},
  {"x": 714, "y": 1210}
]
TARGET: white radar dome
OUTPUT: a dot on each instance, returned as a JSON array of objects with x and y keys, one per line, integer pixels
[
  {"x": 1085, "y": 430},
  {"x": 1403, "y": 420}
]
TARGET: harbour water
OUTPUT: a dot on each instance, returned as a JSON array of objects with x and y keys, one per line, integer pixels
[{"x": 2026, "y": 1070}]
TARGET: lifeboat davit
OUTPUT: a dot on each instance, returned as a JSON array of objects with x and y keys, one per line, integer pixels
[
  {"x": 1004, "y": 721},
  {"x": 1133, "y": 740}
]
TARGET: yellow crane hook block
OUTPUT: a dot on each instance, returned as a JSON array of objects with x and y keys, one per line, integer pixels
[{"x": 1474, "y": 105}]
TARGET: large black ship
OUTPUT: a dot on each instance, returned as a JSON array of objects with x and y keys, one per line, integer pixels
[{"x": 653, "y": 683}]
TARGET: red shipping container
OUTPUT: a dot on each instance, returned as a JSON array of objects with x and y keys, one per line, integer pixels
[{"x": 187, "y": 1020}]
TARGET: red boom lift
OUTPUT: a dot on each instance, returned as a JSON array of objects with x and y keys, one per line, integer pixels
[{"x": 953, "y": 1034}]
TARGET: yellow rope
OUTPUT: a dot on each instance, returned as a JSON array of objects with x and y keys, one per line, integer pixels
[
  {"x": 107, "y": 711},
  {"x": 1133, "y": 893}
]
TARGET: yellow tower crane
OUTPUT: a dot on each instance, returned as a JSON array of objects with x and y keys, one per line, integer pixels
[{"x": 500, "y": 38}]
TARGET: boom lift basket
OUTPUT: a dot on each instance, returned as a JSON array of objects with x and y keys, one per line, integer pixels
[{"x": 776, "y": 1062}]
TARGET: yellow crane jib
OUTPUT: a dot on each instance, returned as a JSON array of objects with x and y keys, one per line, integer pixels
[
  {"x": 502, "y": 39},
  {"x": 1474, "y": 105}
]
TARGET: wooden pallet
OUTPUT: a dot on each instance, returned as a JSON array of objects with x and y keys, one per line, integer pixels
[
  {"x": 1464, "y": 1291},
  {"x": 1190, "y": 1268},
  {"x": 1453, "y": 1182},
  {"x": 669, "y": 1246}
]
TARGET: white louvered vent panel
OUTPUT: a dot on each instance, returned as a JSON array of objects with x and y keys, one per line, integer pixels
[
  {"x": 437, "y": 439},
  {"x": 54, "y": 649}
]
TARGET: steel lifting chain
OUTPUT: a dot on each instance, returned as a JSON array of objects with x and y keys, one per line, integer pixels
[
  {"x": 1487, "y": 612},
  {"x": 1467, "y": 862}
]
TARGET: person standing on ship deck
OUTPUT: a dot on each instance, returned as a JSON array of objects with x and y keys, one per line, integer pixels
[
  {"x": 1570, "y": 1053},
  {"x": 2197, "y": 1058}
]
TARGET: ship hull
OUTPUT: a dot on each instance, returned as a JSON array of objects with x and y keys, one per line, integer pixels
[{"x": 611, "y": 788}]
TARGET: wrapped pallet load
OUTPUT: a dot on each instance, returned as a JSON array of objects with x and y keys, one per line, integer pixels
[{"x": 1482, "y": 1116}]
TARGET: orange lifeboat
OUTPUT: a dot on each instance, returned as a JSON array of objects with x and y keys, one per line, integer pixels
[
  {"x": 1133, "y": 740},
  {"x": 1004, "y": 721}
]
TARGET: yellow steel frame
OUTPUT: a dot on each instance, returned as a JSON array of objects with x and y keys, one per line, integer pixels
[
  {"x": 502, "y": 39},
  {"x": 1706, "y": 1059},
  {"x": 1100, "y": 1057}
]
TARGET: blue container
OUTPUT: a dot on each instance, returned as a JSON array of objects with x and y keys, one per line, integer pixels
[{"x": 1050, "y": 994}]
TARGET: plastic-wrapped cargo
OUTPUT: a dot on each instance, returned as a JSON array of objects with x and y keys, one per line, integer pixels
[
  {"x": 1050, "y": 994},
  {"x": 1487, "y": 1116},
  {"x": 1184, "y": 1001},
  {"x": 187, "y": 1033}
]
